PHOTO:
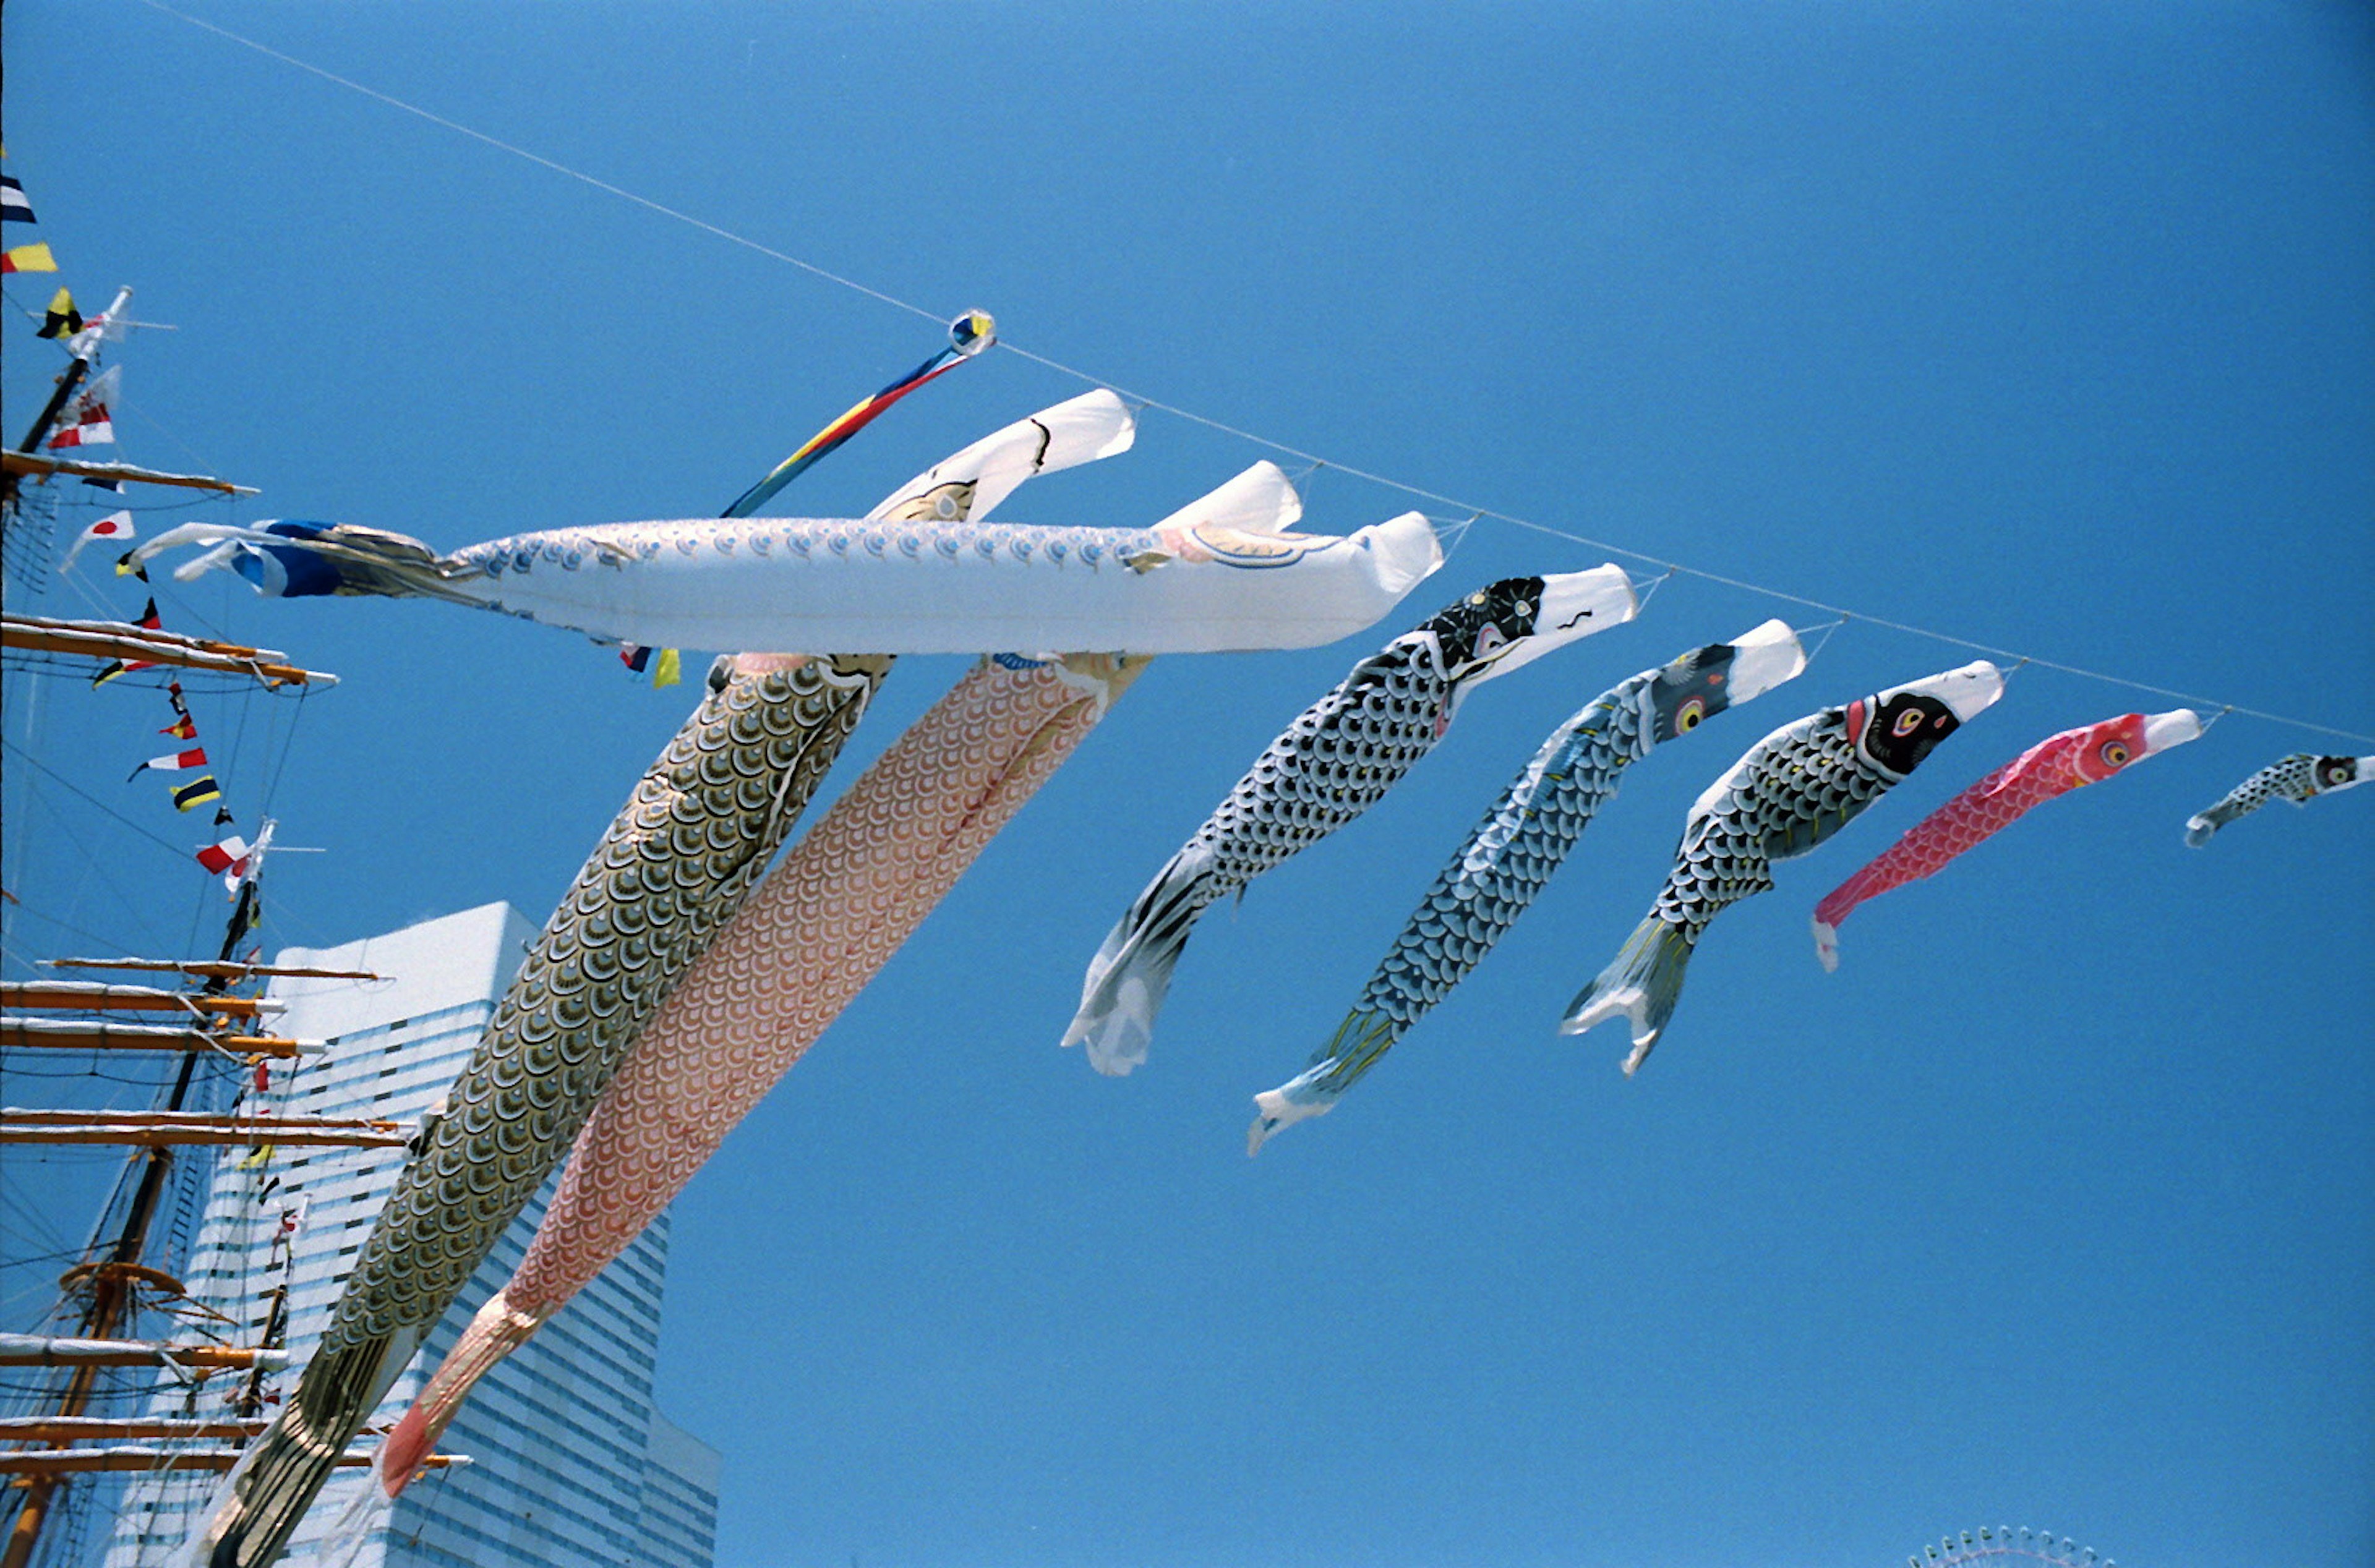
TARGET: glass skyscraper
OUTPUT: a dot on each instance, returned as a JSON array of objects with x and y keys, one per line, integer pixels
[{"x": 570, "y": 1463}]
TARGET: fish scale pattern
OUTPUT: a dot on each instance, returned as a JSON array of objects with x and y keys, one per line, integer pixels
[
  {"x": 816, "y": 932},
  {"x": 2050, "y": 768},
  {"x": 1477, "y": 895},
  {"x": 699, "y": 827},
  {"x": 1335, "y": 761},
  {"x": 1793, "y": 790},
  {"x": 616, "y": 545},
  {"x": 1508, "y": 860},
  {"x": 2295, "y": 778}
]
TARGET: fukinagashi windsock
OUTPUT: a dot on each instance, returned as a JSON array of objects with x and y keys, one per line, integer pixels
[
  {"x": 821, "y": 926},
  {"x": 2054, "y": 766},
  {"x": 1334, "y": 763},
  {"x": 2299, "y": 778},
  {"x": 1789, "y": 793},
  {"x": 670, "y": 873},
  {"x": 908, "y": 580},
  {"x": 848, "y": 894},
  {"x": 673, "y": 867},
  {"x": 1512, "y": 854}
]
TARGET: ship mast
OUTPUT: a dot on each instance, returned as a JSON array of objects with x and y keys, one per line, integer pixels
[{"x": 111, "y": 1283}]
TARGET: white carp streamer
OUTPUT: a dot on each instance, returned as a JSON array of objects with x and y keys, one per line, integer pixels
[{"x": 925, "y": 574}]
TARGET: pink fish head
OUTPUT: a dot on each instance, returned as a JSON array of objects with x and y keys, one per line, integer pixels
[{"x": 2114, "y": 744}]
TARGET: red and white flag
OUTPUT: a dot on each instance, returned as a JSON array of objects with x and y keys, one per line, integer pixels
[
  {"x": 87, "y": 420},
  {"x": 228, "y": 859},
  {"x": 236, "y": 860},
  {"x": 196, "y": 757},
  {"x": 115, "y": 527}
]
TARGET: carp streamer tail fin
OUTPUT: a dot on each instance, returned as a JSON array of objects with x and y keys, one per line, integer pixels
[
  {"x": 1826, "y": 944},
  {"x": 1643, "y": 983},
  {"x": 1833, "y": 911},
  {"x": 265, "y": 1498},
  {"x": 1359, "y": 1040},
  {"x": 497, "y": 1330},
  {"x": 1128, "y": 977},
  {"x": 297, "y": 560}
]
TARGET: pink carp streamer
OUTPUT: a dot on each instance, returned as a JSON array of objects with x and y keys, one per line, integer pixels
[
  {"x": 2054, "y": 766},
  {"x": 815, "y": 932}
]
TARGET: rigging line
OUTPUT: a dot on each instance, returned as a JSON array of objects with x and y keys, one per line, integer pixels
[
  {"x": 1193, "y": 418},
  {"x": 175, "y": 850},
  {"x": 94, "y": 862},
  {"x": 599, "y": 185},
  {"x": 158, "y": 425}
]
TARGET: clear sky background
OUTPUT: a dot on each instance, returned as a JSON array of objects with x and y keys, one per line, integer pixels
[{"x": 2052, "y": 326}]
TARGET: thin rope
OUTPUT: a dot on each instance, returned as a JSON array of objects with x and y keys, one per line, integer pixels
[
  {"x": 624, "y": 194},
  {"x": 1829, "y": 629},
  {"x": 1143, "y": 401}
]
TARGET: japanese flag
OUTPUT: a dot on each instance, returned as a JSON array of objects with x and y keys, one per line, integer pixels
[{"x": 116, "y": 526}]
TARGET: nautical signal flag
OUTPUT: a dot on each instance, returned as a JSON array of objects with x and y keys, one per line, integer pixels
[
  {"x": 14, "y": 207},
  {"x": 28, "y": 258},
  {"x": 196, "y": 757},
  {"x": 115, "y": 526},
  {"x": 61, "y": 320},
  {"x": 182, "y": 728},
  {"x": 196, "y": 793},
  {"x": 149, "y": 621},
  {"x": 86, "y": 422},
  {"x": 666, "y": 671},
  {"x": 228, "y": 859}
]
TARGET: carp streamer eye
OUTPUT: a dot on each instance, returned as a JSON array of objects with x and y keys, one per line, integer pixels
[
  {"x": 2115, "y": 752},
  {"x": 1907, "y": 721},
  {"x": 1688, "y": 715},
  {"x": 2332, "y": 773}
]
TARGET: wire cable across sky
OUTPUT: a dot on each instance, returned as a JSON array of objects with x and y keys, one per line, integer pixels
[{"x": 1470, "y": 509}]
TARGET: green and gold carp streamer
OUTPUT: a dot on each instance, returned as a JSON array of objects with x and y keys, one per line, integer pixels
[{"x": 671, "y": 870}]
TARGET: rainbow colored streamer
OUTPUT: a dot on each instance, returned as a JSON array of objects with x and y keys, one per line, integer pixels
[{"x": 968, "y": 335}]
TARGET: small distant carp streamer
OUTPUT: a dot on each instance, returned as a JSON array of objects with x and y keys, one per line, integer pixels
[
  {"x": 2054, "y": 766},
  {"x": 1511, "y": 855},
  {"x": 818, "y": 929},
  {"x": 1789, "y": 793},
  {"x": 668, "y": 875},
  {"x": 1334, "y": 763},
  {"x": 2299, "y": 778}
]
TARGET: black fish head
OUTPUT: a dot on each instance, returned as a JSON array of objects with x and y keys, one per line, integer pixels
[
  {"x": 2341, "y": 772},
  {"x": 1700, "y": 684},
  {"x": 1486, "y": 621},
  {"x": 1902, "y": 730},
  {"x": 1690, "y": 690},
  {"x": 1895, "y": 730}
]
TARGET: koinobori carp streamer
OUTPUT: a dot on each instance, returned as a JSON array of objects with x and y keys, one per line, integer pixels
[
  {"x": 1790, "y": 791},
  {"x": 1335, "y": 761},
  {"x": 1509, "y": 857}
]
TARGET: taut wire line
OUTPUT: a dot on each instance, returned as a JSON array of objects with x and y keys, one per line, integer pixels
[{"x": 1142, "y": 400}]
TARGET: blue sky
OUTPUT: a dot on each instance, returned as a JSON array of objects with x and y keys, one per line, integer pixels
[{"x": 2053, "y": 327}]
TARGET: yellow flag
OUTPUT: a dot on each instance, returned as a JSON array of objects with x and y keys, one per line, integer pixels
[
  {"x": 28, "y": 258},
  {"x": 61, "y": 320},
  {"x": 257, "y": 1160},
  {"x": 668, "y": 670}
]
